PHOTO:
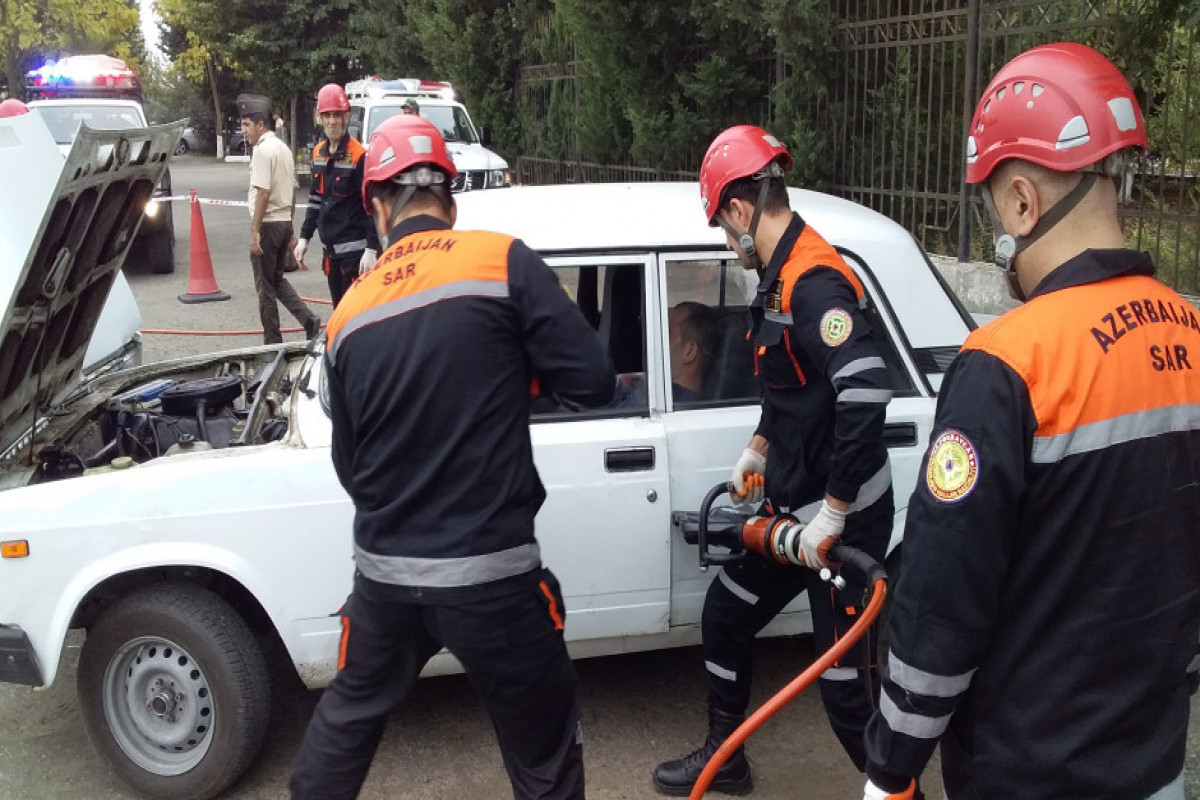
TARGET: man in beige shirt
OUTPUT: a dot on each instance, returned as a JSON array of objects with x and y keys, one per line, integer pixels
[{"x": 272, "y": 188}]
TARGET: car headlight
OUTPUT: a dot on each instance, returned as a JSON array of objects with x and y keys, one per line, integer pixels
[{"x": 497, "y": 178}]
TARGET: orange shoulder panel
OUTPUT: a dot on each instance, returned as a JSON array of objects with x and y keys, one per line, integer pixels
[
  {"x": 421, "y": 262},
  {"x": 811, "y": 251},
  {"x": 1099, "y": 351},
  {"x": 319, "y": 148},
  {"x": 355, "y": 150}
]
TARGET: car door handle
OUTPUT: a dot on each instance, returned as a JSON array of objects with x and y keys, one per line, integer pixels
[
  {"x": 629, "y": 459},
  {"x": 900, "y": 434}
]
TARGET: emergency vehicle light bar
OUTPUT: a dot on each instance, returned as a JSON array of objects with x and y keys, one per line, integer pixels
[
  {"x": 83, "y": 76},
  {"x": 375, "y": 86}
]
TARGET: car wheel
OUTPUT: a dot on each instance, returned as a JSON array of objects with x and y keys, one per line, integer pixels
[
  {"x": 181, "y": 148},
  {"x": 161, "y": 249},
  {"x": 174, "y": 691}
]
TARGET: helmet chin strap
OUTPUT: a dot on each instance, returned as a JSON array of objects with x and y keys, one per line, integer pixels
[
  {"x": 745, "y": 240},
  {"x": 1008, "y": 247}
]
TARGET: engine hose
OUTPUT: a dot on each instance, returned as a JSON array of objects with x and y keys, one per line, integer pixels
[{"x": 789, "y": 692}]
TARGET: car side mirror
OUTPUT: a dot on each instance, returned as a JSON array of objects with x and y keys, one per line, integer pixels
[{"x": 485, "y": 136}]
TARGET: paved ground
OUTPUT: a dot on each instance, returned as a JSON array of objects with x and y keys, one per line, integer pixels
[{"x": 638, "y": 709}]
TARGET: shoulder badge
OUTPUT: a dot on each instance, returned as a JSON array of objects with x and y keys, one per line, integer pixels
[
  {"x": 953, "y": 467},
  {"x": 835, "y": 327}
]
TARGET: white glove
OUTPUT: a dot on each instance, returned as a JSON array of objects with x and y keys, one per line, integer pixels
[
  {"x": 301, "y": 249},
  {"x": 873, "y": 792},
  {"x": 752, "y": 462},
  {"x": 821, "y": 534},
  {"x": 367, "y": 261}
]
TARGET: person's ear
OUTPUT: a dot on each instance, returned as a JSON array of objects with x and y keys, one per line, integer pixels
[
  {"x": 740, "y": 213},
  {"x": 383, "y": 213},
  {"x": 689, "y": 352},
  {"x": 1024, "y": 205}
]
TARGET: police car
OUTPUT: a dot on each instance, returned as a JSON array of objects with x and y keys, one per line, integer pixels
[
  {"x": 373, "y": 100},
  {"x": 186, "y": 513},
  {"x": 102, "y": 92}
]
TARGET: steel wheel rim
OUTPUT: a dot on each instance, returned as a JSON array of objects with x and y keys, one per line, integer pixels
[{"x": 159, "y": 705}]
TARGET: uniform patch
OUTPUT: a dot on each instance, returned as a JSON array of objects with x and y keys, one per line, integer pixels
[
  {"x": 835, "y": 327},
  {"x": 953, "y": 467}
]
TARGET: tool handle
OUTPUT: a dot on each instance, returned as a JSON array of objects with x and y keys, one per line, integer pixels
[{"x": 862, "y": 564}]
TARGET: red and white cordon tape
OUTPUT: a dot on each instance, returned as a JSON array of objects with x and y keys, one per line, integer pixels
[{"x": 211, "y": 201}]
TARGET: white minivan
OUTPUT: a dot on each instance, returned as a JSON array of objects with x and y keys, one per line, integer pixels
[{"x": 186, "y": 514}]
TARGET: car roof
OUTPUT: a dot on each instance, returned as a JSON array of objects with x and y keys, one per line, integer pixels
[
  {"x": 633, "y": 216},
  {"x": 646, "y": 217}
]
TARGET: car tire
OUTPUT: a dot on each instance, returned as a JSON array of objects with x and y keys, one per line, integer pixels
[
  {"x": 174, "y": 691},
  {"x": 181, "y": 148},
  {"x": 161, "y": 248}
]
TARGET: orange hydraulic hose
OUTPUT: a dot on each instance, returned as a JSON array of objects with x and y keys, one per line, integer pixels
[{"x": 789, "y": 692}]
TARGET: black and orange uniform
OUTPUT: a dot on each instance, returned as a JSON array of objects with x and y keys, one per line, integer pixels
[
  {"x": 335, "y": 210},
  {"x": 1050, "y": 606},
  {"x": 825, "y": 392},
  {"x": 430, "y": 361}
]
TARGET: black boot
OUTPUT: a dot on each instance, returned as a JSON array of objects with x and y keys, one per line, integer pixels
[{"x": 677, "y": 777}]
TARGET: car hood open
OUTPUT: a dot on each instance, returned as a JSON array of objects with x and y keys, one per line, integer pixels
[{"x": 64, "y": 231}]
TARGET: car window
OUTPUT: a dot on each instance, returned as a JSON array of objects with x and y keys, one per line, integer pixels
[
  {"x": 707, "y": 356},
  {"x": 612, "y": 299},
  {"x": 355, "y": 125},
  {"x": 64, "y": 120}
]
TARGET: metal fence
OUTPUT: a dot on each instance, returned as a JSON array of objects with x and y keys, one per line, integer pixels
[{"x": 910, "y": 74}]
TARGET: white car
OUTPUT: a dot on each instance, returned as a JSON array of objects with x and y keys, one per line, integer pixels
[
  {"x": 208, "y": 520},
  {"x": 372, "y": 101}
]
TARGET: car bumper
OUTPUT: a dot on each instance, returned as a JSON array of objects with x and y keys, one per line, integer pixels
[{"x": 18, "y": 663}]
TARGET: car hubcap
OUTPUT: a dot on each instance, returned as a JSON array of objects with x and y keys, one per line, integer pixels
[{"x": 159, "y": 705}]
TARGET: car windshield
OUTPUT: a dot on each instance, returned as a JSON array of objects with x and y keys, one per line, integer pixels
[
  {"x": 452, "y": 121},
  {"x": 64, "y": 120}
]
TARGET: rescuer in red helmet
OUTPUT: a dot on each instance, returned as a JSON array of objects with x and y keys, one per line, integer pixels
[
  {"x": 335, "y": 200},
  {"x": 818, "y": 451},
  {"x": 12, "y": 107},
  {"x": 429, "y": 364},
  {"x": 1045, "y": 627}
]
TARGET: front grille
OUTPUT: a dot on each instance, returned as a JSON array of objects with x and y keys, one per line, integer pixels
[{"x": 469, "y": 181}]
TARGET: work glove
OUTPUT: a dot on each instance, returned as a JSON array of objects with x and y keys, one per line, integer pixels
[
  {"x": 367, "y": 261},
  {"x": 821, "y": 534},
  {"x": 301, "y": 249},
  {"x": 747, "y": 477},
  {"x": 873, "y": 792}
]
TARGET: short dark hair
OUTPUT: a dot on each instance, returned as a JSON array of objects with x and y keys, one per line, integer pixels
[
  {"x": 747, "y": 189},
  {"x": 389, "y": 192},
  {"x": 259, "y": 116},
  {"x": 699, "y": 325}
]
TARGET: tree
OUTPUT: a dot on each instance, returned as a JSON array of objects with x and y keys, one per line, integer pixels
[{"x": 32, "y": 30}]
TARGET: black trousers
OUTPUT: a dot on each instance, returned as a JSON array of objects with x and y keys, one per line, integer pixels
[
  {"x": 747, "y": 595},
  {"x": 340, "y": 273},
  {"x": 513, "y": 651}
]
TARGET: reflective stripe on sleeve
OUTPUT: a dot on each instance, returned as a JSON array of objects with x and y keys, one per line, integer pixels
[
  {"x": 444, "y": 573},
  {"x": 859, "y": 365},
  {"x": 918, "y": 681},
  {"x": 914, "y": 725},
  {"x": 865, "y": 396},
  {"x": 872, "y": 489},
  {"x": 840, "y": 674},
  {"x": 737, "y": 591},
  {"x": 1117, "y": 430},
  {"x": 394, "y": 308},
  {"x": 784, "y": 317}
]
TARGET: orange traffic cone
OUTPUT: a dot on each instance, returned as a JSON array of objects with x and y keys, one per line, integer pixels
[{"x": 202, "y": 286}]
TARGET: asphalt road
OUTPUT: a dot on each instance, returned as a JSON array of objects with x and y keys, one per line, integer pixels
[{"x": 637, "y": 709}]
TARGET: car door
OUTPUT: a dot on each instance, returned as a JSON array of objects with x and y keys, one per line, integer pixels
[
  {"x": 605, "y": 526},
  {"x": 706, "y": 434}
]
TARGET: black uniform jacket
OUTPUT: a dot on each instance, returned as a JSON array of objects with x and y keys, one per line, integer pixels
[
  {"x": 824, "y": 385},
  {"x": 431, "y": 359},
  {"x": 335, "y": 200},
  {"x": 1050, "y": 601}
]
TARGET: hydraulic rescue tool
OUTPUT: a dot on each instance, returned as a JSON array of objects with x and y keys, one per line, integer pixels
[{"x": 777, "y": 538}]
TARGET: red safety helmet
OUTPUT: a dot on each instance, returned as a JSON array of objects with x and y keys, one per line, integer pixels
[
  {"x": 332, "y": 98},
  {"x": 738, "y": 152},
  {"x": 1063, "y": 106},
  {"x": 400, "y": 144},
  {"x": 12, "y": 107}
]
